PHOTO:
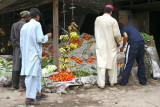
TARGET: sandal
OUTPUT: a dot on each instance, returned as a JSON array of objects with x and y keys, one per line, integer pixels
[
  {"x": 43, "y": 96},
  {"x": 32, "y": 102}
]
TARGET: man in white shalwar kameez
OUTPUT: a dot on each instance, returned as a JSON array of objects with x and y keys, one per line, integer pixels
[
  {"x": 31, "y": 39},
  {"x": 108, "y": 37}
]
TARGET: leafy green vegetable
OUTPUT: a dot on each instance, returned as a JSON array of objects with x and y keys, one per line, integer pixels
[
  {"x": 42, "y": 81},
  {"x": 146, "y": 37},
  {"x": 81, "y": 73},
  {"x": 49, "y": 69},
  {"x": 46, "y": 62},
  {"x": 5, "y": 64}
]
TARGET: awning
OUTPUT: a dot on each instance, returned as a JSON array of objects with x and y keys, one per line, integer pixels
[
  {"x": 5, "y": 3},
  {"x": 14, "y": 5}
]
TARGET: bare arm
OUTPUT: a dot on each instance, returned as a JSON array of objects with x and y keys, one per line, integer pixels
[{"x": 124, "y": 41}]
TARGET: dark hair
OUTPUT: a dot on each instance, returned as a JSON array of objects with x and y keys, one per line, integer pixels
[
  {"x": 107, "y": 10},
  {"x": 34, "y": 12},
  {"x": 120, "y": 26}
]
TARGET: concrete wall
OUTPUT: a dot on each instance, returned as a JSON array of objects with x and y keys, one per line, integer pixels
[{"x": 139, "y": 20}]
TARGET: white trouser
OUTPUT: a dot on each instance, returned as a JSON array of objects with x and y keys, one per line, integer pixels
[
  {"x": 112, "y": 75},
  {"x": 33, "y": 85}
]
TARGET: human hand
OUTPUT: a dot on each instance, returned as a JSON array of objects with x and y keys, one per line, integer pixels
[
  {"x": 125, "y": 51},
  {"x": 118, "y": 45},
  {"x": 121, "y": 49},
  {"x": 49, "y": 35}
]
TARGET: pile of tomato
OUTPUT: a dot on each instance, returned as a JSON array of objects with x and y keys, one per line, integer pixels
[
  {"x": 91, "y": 60},
  {"x": 79, "y": 42},
  {"x": 62, "y": 76},
  {"x": 77, "y": 59},
  {"x": 87, "y": 37}
]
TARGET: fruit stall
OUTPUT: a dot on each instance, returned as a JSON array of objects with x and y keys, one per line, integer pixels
[{"x": 77, "y": 60}]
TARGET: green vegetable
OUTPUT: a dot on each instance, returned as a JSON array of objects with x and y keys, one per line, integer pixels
[
  {"x": 46, "y": 62},
  {"x": 5, "y": 64},
  {"x": 42, "y": 81},
  {"x": 146, "y": 37},
  {"x": 94, "y": 68},
  {"x": 81, "y": 73}
]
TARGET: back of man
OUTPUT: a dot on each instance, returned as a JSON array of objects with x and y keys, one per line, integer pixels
[
  {"x": 15, "y": 38},
  {"x": 32, "y": 52},
  {"x": 133, "y": 34},
  {"x": 107, "y": 36}
]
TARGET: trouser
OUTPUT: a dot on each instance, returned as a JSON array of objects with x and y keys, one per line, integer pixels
[
  {"x": 111, "y": 72},
  {"x": 17, "y": 79},
  {"x": 134, "y": 51},
  {"x": 33, "y": 85}
]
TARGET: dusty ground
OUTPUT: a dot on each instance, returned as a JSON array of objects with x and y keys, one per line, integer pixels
[{"x": 118, "y": 96}]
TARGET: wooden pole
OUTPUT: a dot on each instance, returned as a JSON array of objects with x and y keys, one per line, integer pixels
[{"x": 55, "y": 32}]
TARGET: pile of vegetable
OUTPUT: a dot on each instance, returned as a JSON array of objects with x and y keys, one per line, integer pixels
[
  {"x": 87, "y": 37},
  {"x": 81, "y": 73},
  {"x": 5, "y": 64},
  {"x": 77, "y": 59},
  {"x": 62, "y": 76},
  {"x": 146, "y": 37},
  {"x": 47, "y": 61},
  {"x": 91, "y": 60},
  {"x": 49, "y": 69}
]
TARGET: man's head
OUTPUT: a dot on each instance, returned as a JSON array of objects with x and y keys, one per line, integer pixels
[
  {"x": 108, "y": 9},
  {"x": 35, "y": 14},
  {"x": 25, "y": 15}
]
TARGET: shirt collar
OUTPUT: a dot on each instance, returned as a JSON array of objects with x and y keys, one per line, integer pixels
[
  {"x": 32, "y": 20},
  {"x": 22, "y": 21},
  {"x": 106, "y": 14}
]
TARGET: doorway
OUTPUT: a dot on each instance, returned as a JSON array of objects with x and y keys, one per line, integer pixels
[{"x": 155, "y": 28}]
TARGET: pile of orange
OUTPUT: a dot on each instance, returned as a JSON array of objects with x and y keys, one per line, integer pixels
[
  {"x": 79, "y": 42},
  {"x": 77, "y": 59},
  {"x": 87, "y": 37},
  {"x": 91, "y": 60}
]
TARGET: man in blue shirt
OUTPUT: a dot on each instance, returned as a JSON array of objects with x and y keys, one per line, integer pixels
[
  {"x": 31, "y": 39},
  {"x": 135, "y": 50}
]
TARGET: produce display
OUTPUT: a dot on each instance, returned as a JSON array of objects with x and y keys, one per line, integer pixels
[
  {"x": 74, "y": 35},
  {"x": 146, "y": 37},
  {"x": 47, "y": 61},
  {"x": 5, "y": 64},
  {"x": 64, "y": 59},
  {"x": 122, "y": 38},
  {"x": 51, "y": 50},
  {"x": 73, "y": 46},
  {"x": 121, "y": 65},
  {"x": 73, "y": 27},
  {"x": 49, "y": 69},
  {"x": 64, "y": 38},
  {"x": 91, "y": 42},
  {"x": 77, "y": 59},
  {"x": 81, "y": 73},
  {"x": 87, "y": 37},
  {"x": 65, "y": 49},
  {"x": 62, "y": 76},
  {"x": 77, "y": 41},
  {"x": 45, "y": 44},
  {"x": 91, "y": 60},
  {"x": 2, "y": 32},
  {"x": 3, "y": 50}
]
